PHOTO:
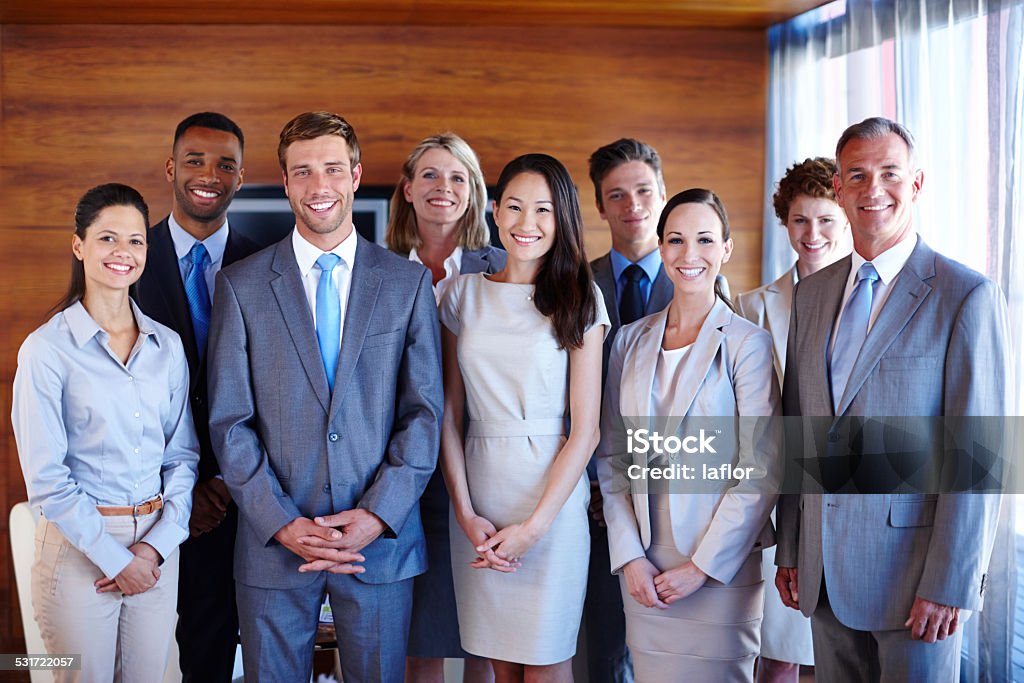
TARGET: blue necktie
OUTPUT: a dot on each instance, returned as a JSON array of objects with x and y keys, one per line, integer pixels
[
  {"x": 328, "y": 316},
  {"x": 198, "y": 294},
  {"x": 631, "y": 304},
  {"x": 853, "y": 330}
]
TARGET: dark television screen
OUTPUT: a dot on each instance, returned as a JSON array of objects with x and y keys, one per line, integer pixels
[{"x": 262, "y": 213}]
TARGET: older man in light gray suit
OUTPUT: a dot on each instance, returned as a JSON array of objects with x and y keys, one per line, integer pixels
[
  {"x": 326, "y": 400},
  {"x": 886, "y": 578}
]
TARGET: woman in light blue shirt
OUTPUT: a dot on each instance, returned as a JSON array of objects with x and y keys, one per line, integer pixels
[{"x": 109, "y": 454}]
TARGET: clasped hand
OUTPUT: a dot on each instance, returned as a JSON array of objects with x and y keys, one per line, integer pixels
[
  {"x": 139, "y": 576},
  {"x": 498, "y": 550},
  {"x": 210, "y": 501},
  {"x": 653, "y": 588},
  {"x": 331, "y": 543}
]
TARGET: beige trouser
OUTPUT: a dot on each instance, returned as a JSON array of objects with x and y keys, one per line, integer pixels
[{"x": 121, "y": 638}]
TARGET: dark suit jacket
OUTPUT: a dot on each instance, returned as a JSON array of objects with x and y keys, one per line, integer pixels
[{"x": 160, "y": 294}]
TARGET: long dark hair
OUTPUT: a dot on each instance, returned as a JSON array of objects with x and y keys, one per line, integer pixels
[
  {"x": 86, "y": 212},
  {"x": 698, "y": 195},
  {"x": 564, "y": 289}
]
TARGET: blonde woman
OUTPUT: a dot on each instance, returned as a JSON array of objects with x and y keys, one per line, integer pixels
[{"x": 437, "y": 219}]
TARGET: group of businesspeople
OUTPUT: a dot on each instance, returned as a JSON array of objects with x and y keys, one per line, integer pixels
[{"x": 234, "y": 433}]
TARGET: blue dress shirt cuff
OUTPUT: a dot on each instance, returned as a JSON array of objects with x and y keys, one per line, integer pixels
[{"x": 110, "y": 556}]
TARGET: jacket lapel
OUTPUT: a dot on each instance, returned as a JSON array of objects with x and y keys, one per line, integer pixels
[
  {"x": 164, "y": 263},
  {"x": 818, "y": 316},
  {"x": 778, "y": 302},
  {"x": 362, "y": 296},
  {"x": 695, "y": 369},
  {"x": 908, "y": 293},
  {"x": 291, "y": 298},
  {"x": 606, "y": 281},
  {"x": 473, "y": 262},
  {"x": 661, "y": 292}
]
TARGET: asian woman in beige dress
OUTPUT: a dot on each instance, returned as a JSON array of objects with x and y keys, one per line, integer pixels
[{"x": 522, "y": 362}]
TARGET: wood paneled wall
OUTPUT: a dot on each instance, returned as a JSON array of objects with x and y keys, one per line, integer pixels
[{"x": 83, "y": 105}]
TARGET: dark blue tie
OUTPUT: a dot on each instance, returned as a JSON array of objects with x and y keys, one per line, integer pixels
[
  {"x": 198, "y": 294},
  {"x": 631, "y": 303},
  {"x": 328, "y": 316}
]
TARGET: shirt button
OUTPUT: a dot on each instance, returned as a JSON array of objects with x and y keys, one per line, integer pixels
[
  {"x": 136, "y": 450},
  {"x": 131, "y": 379},
  {"x": 327, "y": 488},
  {"x": 136, "y": 485},
  {"x": 136, "y": 414},
  {"x": 333, "y": 437}
]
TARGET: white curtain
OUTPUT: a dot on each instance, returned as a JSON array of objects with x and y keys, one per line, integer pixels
[{"x": 952, "y": 71}]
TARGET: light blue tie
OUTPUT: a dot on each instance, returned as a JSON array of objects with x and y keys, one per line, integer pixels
[
  {"x": 853, "y": 330},
  {"x": 328, "y": 316},
  {"x": 198, "y": 294}
]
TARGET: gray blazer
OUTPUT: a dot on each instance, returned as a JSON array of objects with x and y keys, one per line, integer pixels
[
  {"x": 769, "y": 307},
  {"x": 938, "y": 347},
  {"x": 728, "y": 373},
  {"x": 287, "y": 446}
]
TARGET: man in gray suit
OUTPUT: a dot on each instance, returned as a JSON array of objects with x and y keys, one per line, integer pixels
[
  {"x": 325, "y": 388},
  {"x": 895, "y": 329},
  {"x": 630, "y": 193}
]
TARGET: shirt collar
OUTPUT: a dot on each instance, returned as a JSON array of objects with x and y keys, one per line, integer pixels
[
  {"x": 215, "y": 243},
  {"x": 84, "y": 328},
  {"x": 306, "y": 254},
  {"x": 451, "y": 264},
  {"x": 890, "y": 262},
  {"x": 651, "y": 264}
]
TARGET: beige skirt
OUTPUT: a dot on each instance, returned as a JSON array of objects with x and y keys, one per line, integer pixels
[{"x": 712, "y": 635}]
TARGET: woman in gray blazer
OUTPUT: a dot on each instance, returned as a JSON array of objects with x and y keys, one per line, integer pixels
[
  {"x": 437, "y": 219},
  {"x": 819, "y": 233},
  {"x": 689, "y": 557}
]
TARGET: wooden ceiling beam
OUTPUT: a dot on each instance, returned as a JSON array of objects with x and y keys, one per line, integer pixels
[{"x": 751, "y": 14}]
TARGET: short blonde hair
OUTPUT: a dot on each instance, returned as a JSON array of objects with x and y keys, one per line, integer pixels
[{"x": 402, "y": 233}]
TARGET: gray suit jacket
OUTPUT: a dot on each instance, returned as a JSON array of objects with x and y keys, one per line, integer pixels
[
  {"x": 938, "y": 347},
  {"x": 287, "y": 446},
  {"x": 728, "y": 373},
  {"x": 661, "y": 295},
  {"x": 769, "y": 307}
]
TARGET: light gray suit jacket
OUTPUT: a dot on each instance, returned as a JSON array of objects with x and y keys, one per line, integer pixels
[
  {"x": 728, "y": 373},
  {"x": 769, "y": 307},
  {"x": 938, "y": 347},
  {"x": 287, "y": 447}
]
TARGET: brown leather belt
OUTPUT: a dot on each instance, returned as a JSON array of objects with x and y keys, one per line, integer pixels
[{"x": 131, "y": 510}]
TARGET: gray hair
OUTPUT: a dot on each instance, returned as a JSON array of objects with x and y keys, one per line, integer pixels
[{"x": 874, "y": 128}]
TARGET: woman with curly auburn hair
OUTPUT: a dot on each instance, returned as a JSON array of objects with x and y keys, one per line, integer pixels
[{"x": 819, "y": 233}]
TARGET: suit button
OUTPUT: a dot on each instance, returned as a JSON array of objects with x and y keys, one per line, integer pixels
[
  {"x": 327, "y": 488},
  {"x": 833, "y": 437},
  {"x": 333, "y": 437}
]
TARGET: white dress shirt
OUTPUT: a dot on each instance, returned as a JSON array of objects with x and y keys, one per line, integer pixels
[
  {"x": 306, "y": 255},
  {"x": 451, "y": 270},
  {"x": 888, "y": 265}
]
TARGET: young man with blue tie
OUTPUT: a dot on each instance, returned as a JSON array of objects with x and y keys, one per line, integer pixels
[{"x": 186, "y": 250}]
